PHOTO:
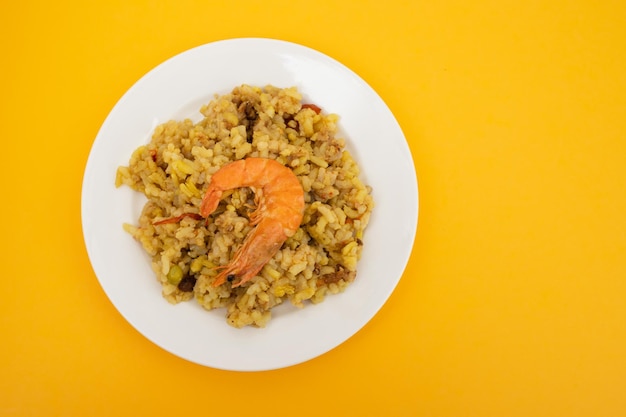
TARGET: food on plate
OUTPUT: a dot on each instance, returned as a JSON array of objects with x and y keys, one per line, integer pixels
[
  {"x": 257, "y": 203},
  {"x": 277, "y": 216}
]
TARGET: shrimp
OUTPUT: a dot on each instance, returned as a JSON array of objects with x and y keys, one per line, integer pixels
[{"x": 279, "y": 211}]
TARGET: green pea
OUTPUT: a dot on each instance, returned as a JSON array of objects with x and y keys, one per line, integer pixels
[{"x": 175, "y": 275}]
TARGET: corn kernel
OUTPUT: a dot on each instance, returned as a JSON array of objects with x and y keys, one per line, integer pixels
[
  {"x": 196, "y": 265},
  {"x": 281, "y": 290},
  {"x": 350, "y": 262},
  {"x": 349, "y": 249},
  {"x": 231, "y": 118},
  {"x": 271, "y": 271},
  {"x": 182, "y": 166}
]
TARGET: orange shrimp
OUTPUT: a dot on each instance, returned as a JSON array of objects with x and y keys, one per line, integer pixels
[{"x": 278, "y": 214}]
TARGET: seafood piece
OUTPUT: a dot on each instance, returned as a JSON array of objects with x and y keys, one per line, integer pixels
[{"x": 279, "y": 211}]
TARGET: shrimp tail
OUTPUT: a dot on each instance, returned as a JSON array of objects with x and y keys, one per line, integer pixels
[
  {"x": 259, "y": 246},
  {"x": 210, "y": 201}
]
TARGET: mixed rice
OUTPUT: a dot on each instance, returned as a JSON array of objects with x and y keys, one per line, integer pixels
[{"x": 174, "y": 168}]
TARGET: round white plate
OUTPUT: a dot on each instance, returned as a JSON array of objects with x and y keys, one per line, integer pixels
[{"x": 176, "y": 89}]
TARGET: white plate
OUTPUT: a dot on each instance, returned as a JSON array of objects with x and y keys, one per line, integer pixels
[{"x": 176, "y": 89}]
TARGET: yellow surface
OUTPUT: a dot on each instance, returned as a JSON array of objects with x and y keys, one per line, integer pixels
[{"x": 512, "y": 303}]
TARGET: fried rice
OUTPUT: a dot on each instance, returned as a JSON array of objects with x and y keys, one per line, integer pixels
[{"x": 174, "y": 168}]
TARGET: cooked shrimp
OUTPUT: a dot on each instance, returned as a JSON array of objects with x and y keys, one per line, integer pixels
[{"x": 277, "y": 216}]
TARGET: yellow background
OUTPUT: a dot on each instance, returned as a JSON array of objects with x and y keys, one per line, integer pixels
[{"x": 512, "y": 303}]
